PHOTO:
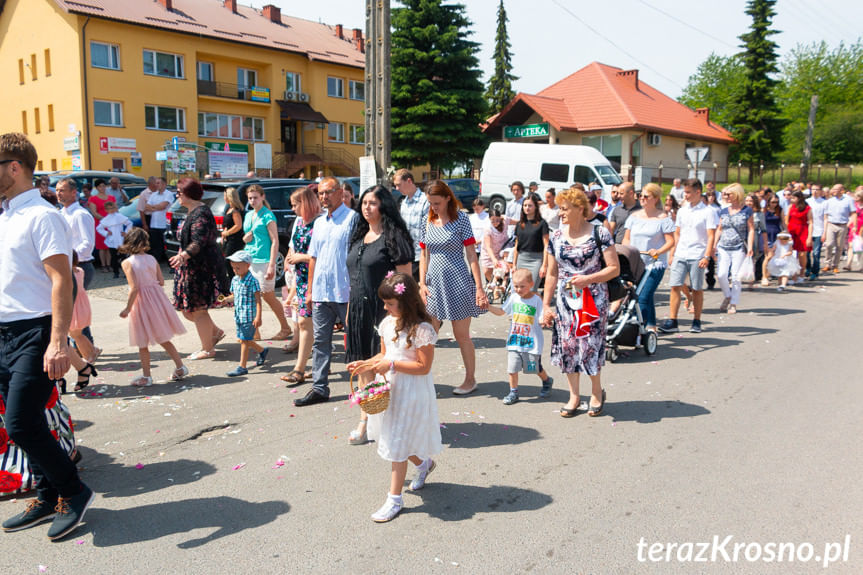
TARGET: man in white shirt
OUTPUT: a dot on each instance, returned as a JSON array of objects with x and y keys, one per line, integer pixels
[
  {"x": 479, "y": 222},
  {"x": 143, "y": 198},
  {"x": 694, "y": 241},
  {"x": 35, "y": 311},
  {"x": 816, "y": 201},
  {"x": 677, "y": 191},
  {"x": 83, "y": 227},
  {"x": 839, "y": 211},
  {"x": 513, "y": 207},
  {"x": 157, "y": 206}
]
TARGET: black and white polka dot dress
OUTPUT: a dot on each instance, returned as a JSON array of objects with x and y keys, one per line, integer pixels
[{"x": 451, "y": 286}]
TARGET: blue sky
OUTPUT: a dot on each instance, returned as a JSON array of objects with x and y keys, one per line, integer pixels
[{"x": 665, "y": 39}]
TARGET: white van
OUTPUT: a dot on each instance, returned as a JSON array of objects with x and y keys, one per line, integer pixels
[{"x": 550, "y": 165}]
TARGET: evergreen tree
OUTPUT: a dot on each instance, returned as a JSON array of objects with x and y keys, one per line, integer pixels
[
  {"x": 756, "y": 123},
  {"x": 500, "y": 91},
  {"x": 437, "y": 91}
]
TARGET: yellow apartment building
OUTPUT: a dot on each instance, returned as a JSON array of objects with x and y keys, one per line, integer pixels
[{"x": 146, "y": 85}]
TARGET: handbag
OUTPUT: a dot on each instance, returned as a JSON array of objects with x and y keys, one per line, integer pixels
[
  {"x": 616, "y": 286},
  {"x": 746, "y": 273}
]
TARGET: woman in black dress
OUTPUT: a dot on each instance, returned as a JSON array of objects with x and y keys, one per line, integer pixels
[
  {"x": 379, "y": 245},
  {"x": 531, "y": 240},
  {"x": 199, "y": 267},
  {"x": 232, "y": 228}
]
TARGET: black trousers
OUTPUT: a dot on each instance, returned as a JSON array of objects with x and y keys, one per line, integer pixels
[
  {"x": 25, "y": 389},
  {"x": 115, "y": 261},
  {"x": 157, "y": 244}
]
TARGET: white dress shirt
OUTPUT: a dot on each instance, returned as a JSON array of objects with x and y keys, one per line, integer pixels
[
  {"x": 83, "y": 227},
  {"x": 159, "y": 220},
  {"x": 117, "y": 224},
  {"x": 31, "y": 231}
]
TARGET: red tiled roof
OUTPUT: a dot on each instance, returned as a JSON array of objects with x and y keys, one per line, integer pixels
[
  {"x": 600, "y": 97},
  {"x": 211, "y": 19}
]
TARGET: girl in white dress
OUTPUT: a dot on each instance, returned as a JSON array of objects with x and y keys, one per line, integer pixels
[
  {"x": 783, "y": 264},
  {"x": 409, "y": 429}
]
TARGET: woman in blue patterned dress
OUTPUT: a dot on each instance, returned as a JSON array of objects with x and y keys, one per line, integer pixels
[
  {"x": 307, "y": 207},
  {"x": 451, "y": 288},
  {"x": 576, "y": 264}
]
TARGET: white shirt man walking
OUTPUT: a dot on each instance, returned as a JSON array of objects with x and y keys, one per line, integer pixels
[
  {"x": 35, "y": 312},
  {"x": 694, "y": 241},
  {"x": 414, "y": 210}
]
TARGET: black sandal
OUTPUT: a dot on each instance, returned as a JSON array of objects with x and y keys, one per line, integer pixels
[
  {"x": 564, "y": 412},
  {"x": 88, "y": 371},
  {"x": 594, "y": 410}
]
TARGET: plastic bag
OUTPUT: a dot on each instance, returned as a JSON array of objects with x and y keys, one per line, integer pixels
[
  {"x": 746, "y": 273},
  {"x": 857, "y": 244}
]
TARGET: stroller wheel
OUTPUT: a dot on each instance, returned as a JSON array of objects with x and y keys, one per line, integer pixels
[
  {"x": 650, "y": 342},
  {"x": 611, "y": 353}
]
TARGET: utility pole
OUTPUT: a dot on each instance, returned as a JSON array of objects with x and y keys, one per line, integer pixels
[
  {"x": 807, "y": 147},
  {"x": 378, "y": 84}
]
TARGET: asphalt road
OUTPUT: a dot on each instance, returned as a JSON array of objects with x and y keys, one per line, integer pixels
[{"x": 746, "y": 430}]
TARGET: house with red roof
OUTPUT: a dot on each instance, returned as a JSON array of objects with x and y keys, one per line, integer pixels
[{"x": 633, "y": 124}]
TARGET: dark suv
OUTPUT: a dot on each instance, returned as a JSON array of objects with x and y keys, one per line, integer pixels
[
  {"x": 278, "y": 194},
  {"x": 466, "y": 190}
]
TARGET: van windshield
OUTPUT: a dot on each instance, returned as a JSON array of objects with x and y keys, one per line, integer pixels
[{"x": 608, "y": 175}]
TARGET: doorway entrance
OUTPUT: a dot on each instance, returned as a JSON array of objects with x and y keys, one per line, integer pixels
[{"x": 289, "y": 136}]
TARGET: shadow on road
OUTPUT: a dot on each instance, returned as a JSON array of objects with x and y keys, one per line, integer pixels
[
  {"x": 114, "y": 479},
  {"x": 226, "y": 515},
  {"x": 453, "y": 502},
  {"x": 652, "y": 411},
  {"x": 471, "y": 435},
  {"x": 478, "y": 342}
]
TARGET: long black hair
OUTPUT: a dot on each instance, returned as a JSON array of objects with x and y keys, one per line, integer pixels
[
  {"x": 533, "y": 197},
  {"x": 397, "y": 238}
]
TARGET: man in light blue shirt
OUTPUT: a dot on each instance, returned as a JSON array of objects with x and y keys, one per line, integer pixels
[
  {"x": 839, "y": 211},
  {"x": 414, "y": 210},
  {"x": 329, "y": 284}
]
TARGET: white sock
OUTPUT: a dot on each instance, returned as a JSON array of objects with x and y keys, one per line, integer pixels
[
  {"x": 397, "y": 499},
  {"x": 424, "y": 465}
]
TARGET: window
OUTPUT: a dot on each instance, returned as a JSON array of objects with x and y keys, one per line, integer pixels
[
  {"x": 358, "y": 134},
  {"x": 165, "y": 118},
  {"x": 104, "y": 56},
  {"x": 554, "y": 172},
  {"x": 47, "y": 62},
  {"x": 24, "y": 121},
  {"x": 610, "y": 146},
  {"x": 336, "y": 132},
  {"x": 53, "y": 165},
  {"x": 293, "y": 82},
  {"x": 20, "y": 71},
  {"x": 50, "y": 117},
  {"x": 357, "y": 90},
  {"x": 230, "y": 127},
  {"x": 33, "y": 66},
  {"x": 107, "y": 113},
  {"x": 246, "y": 78},
  {"x": 205, "y": 71},
  {"x": 162, "y": 64},
  {"x": 36, "y": 124},
  {"x": 583, "y": 174},
  {"x": 335, "y": 87}
]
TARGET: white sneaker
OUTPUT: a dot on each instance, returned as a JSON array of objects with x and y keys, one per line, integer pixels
[
  {"x": 388, "y": 511},
  {"x": 422, "y": 474}
]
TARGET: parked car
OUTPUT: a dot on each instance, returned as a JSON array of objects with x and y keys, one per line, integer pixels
[
  {"x": 278, "y": 192},
  {"x": 354, "y": 182},
  {"x": 133, "y": 184}
]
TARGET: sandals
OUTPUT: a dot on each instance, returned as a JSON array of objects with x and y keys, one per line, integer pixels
[
  {"x": 89, "y": 370},
  {"x": 219, "y": 338},
  {"x": 96, "y": 354},
  {"x": 198, "y": 355},
  {"x": 282, "y": 334},
  {"x": 294, "y": 378},
  {"x": 594, "y": 410},
  {"x": 567, "y": 413},
  {"x": 359, "y": 438},
  {"x": 180, "y": 373}
]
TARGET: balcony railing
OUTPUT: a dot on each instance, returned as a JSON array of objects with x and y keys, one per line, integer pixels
[{"x": 233, "y": 91}]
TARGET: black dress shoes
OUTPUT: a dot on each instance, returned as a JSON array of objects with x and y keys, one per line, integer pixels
[{"x": 311, "y": 398}]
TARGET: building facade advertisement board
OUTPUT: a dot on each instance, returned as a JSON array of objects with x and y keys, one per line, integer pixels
[
  {"x": 229, "y": 163},
  {"x": 122, "y": 145},
  {"x": 72, "y": 144},
  {"x": 259, "y": 94},
  {"x": 526, "y": 131},
  {"x": 263, "y": 156}
]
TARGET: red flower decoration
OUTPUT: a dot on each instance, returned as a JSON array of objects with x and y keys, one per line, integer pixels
[
  {"x": 52, "y": 401},
  {"x": 10, "y": 482}
]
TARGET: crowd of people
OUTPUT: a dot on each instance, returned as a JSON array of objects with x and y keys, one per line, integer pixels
[{"x": 390, "y": 274}]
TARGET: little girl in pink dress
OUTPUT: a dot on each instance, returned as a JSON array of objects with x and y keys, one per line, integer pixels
[{"x": 152, "y": 318}]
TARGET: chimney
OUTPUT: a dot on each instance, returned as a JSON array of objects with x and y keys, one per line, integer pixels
[
  {"x": 231, "y": 5},
  {"x": 167, "y": 4},
  {"x": 358, "y": 40},
  {"x": 631, "y": 76},
  {"x": 273, "y": 13},
  {"x": 703, "y": 113},
  {"x": 340, "y": 32}
]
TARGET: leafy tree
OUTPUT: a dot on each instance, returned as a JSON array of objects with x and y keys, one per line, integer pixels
[
  {"x": 437, "y": 91},
  {"x": 756, "y": 122},
  {"x": 500, "y": 91},
  {"x": 718, "y": 85}
]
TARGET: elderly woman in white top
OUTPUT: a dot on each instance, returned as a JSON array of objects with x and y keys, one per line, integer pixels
[{"x": 650, "y": 230}]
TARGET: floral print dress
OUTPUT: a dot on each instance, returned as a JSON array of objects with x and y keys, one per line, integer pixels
[
  {"x": 300, "y": 240},
  {"x": 584, "y": 354}
]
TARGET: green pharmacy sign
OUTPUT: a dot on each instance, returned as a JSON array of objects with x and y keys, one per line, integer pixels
[{"x": 526, "y": 131}]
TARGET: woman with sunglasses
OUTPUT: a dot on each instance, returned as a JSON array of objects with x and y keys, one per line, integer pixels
[{"x": 736, "y": 233}]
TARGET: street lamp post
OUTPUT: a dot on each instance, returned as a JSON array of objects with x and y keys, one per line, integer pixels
[
  {"x": 836, "y": 172},
  {"x": 660, "y": 173},
  {"x": 819, "y": 174},
  {"x": 715, "y": 167}
]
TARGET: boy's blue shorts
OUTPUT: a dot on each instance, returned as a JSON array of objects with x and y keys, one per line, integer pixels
[{"x": 246, "y": 331}]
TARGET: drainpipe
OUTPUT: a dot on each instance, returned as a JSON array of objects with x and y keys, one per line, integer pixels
[{"x": 86, "y": 129}]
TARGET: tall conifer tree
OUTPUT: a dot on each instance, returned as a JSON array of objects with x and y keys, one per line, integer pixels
[{"x": 500, "y": 91}]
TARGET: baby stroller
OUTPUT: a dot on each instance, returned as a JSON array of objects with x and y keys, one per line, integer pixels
[
  {"x": 498, "y": 288},
  {"x": 626, "y": 325}
]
